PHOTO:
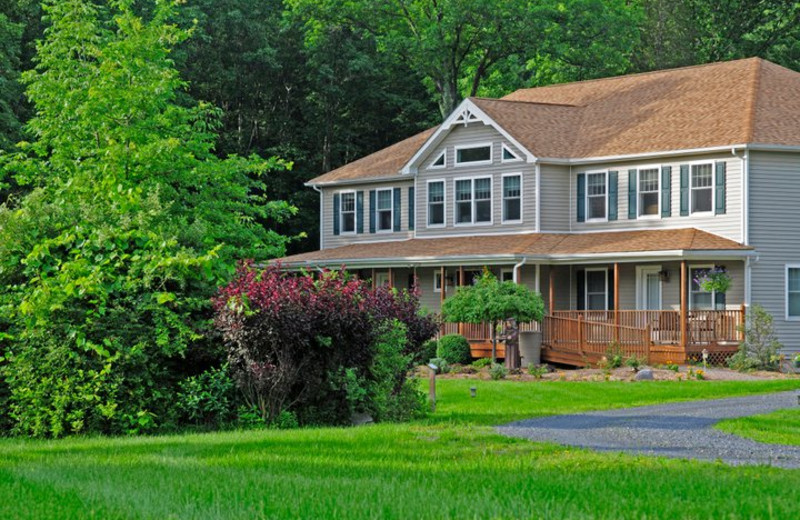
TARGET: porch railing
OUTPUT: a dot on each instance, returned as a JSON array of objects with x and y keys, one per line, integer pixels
[{"x": 593, "y": 337}]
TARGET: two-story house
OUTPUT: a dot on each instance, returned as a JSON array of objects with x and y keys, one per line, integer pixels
[{"x": 611, "y": 197}]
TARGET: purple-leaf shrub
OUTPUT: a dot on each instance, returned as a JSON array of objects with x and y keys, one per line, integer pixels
[{"x": 288, "y": 335}]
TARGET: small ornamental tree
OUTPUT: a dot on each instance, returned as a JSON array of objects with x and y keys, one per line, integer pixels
[
  {"x": 322, "y": 347},
  {"x": 492, "y": 301}
]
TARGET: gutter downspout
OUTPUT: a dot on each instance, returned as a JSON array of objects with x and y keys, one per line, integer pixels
[
  {"x": 517, "y": 267},
  {"x": 321, "y": 213},
  {"x": 745, "y": 158}
]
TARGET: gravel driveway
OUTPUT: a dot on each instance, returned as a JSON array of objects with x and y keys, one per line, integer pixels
[{"x": 680, "y": 430}]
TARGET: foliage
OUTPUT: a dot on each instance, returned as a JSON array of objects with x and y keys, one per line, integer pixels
[
  {"x": 455, "y": 349},
  {"x": 207, "y": 399},
  {"x": 614, "y": 356},
  {"x": 760, "y": 347},
  {"x": 428, "y": 350},
  {"x": 498, "y": 371},
  {"x": 537, "y": 371},
  {"x": 715, "y": 279},
  {"x": 107, "y": 264},
  {"x": 492, "y": 301},
  {"x": 482, "y": 363},
  {"x": 319, "y": 346},
  {"x": 441, "y": 364},
  {"x": 634, "y": 362}
]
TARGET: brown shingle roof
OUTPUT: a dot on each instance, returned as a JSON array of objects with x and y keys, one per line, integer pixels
[
  {"x": 719, "y": 104},
  {"x": 542, "y": 245}
]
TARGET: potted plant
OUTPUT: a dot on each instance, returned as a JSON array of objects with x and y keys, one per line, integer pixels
[{"x": 715, "y": 280}]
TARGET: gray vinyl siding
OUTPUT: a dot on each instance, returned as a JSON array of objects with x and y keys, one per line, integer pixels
[
  {"x": 329, "y": 240},
  {"x": 474, "y": 134},
  {"x": 775, "y": 234},
  {"x": 555, "y": 201},
  {"x": 728, "y": 225}
]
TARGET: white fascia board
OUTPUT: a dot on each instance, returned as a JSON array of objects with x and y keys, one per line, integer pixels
[
  {"x": 652, "y": 256},
  {"x": 467, "y": 105},
  {"x": 646, "y": 155},
  {"x": 362, "y": 180}
]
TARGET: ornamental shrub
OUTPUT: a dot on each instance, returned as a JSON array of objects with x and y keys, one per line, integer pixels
[
  {"x": 321, "y": 347},
  {"x": 455, "y": 349},
  {"x": 207, "y": 399},
  {"x": 428, "y": 351}
]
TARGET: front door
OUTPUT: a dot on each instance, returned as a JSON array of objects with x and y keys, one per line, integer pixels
[{"x": 648, "y": 292}]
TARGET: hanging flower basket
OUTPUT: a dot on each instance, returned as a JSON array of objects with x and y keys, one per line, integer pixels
[{"x": 716, "y": 279}]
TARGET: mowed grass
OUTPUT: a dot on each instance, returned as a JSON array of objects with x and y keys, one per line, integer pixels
[
  {"x": 450, "y": 465},
  {"x": 781, "y": 427}
]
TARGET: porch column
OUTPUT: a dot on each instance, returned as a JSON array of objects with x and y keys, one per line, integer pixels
[
  {"x": 391, "y": 278},
  {"x": 684, "y": 298},
  {"x": 616, "y": 301},
  {"x": 373, "y": 278},
  {"x": 461, "y": 284},
  {"x": 443, "y": 286},
  {"x": 552, "y": 290}
]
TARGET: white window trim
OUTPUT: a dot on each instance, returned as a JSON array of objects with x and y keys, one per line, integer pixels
[
  {"x": 586, "y": 197},
  {"x": 472, "y": 201},
  {"x": 786, "y": 290},
  {"x": 341, "y": 212},
  {"x": 382, "y": 279},
  {"x": 641, "y": 282},
  {"x": 586, "y": 288},
  {"x": 639, "y": 215},
  {"x": 437, "y": 275},
  {"x": 713, "y": 188},
  {"x": 433, "y": 166},
  {"x": 473, "y": 163},
  {"x": 391, "y": 209},
  {"x": 505, "y": 148},
  {"x": 428, "y": 204},
  {"x": 503, "y": 199},
  {"x": 690, "y": 303}
]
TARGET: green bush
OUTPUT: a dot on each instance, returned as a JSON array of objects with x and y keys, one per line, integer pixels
[
  {"x": 455, "y": 349},
  {"x": 207, "y": 399},
  {"x": 428, "y": 351},
  {"x": 498, "y": 371},
  {"x": 760, "y": 347},
  {"x": 482, "y": 363},
  {"x": 442, "y": 364},
  {"x": 538, "y": 371}
]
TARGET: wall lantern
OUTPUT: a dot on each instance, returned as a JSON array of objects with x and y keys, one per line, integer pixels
[{"x": 664, "y": 275}]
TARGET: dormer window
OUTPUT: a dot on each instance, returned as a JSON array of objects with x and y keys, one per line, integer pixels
[
  {"x": 508, "y": 155},
  {"x": 439, "y": 162},
  {"x": 473, "y": 155}
]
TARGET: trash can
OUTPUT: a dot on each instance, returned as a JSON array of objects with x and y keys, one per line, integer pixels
[{"x": 530, "y": 348}]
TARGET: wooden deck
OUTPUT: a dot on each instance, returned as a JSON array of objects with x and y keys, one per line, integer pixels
[{"x": 582, "y": 338}]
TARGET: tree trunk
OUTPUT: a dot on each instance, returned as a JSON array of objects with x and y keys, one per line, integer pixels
[{"x": 494, "y": 342}]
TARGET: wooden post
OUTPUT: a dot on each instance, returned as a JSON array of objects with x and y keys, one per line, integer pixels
[
  {"x": 616, "y": 301},
  {"x": 373, "y": 278},
  {"x": 743, "y": 323},
  {"x": 551, "y": 289},
  {"x": 580, "y": 334},
  {"x": 461, "y": 284},
  {"x": 648, "y": 342},
  {"x": 443, "y": 292},
  {"x": 684, "y": 302},
  {"x": 391, "y": 278}
]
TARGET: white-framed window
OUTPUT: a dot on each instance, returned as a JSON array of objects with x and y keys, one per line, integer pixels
[
  {"x": 439, "y": 162},
  {"x": 474, "y": 155},
  {"x": 508, "y": 155},
  {"x": 649, "y": 197},
  {"x": 698, "y": 298},
  {"x": 596, "y": 285},
  {"x": 512, "y": 197},
  {"x": 506, "y": 275},
  {"x": 473, "y": 201},
  {"x": 382, "y": 279},
  {"x": 702, "y": 188},
  {"x": 793, "y": 292},
  {"x": 436, "y": 203},
  {"x": 437, "y": 281},
  {"x": 384, "y": 210},
  {"x": 597, "y": 196},
  {"x": 347, "y": 214}
]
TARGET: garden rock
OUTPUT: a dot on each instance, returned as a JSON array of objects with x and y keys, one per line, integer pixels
[
  {"x": 644, "y": 375},
  {"x": 360, "y": 419}
]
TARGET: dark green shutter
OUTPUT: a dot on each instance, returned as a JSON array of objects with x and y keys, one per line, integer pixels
[
  {"x": 610, "y": 285},
  {"x": 397, "y": 219},
  {"x": 580, "y": 287},
  {"x": 372, "y": 208},
  {"x": 411, "y": 205},
  {"x": 336, "y": 214},
  {"x": 684, "y": 190},
  {"x": 613, "y": 194},
  {"x": 360, "y": 212},
  {"x": 666, "y": 191},
  {"x": 719, "y": 198},
  {"x": 581, "y": 197},
  {"x": 633, "y": 178}
]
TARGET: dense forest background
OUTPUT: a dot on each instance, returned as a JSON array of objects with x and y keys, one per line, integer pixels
[{"x": 323, "y": 82}]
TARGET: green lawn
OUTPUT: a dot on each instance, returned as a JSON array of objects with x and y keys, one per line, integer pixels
[
  {"x": 449, "y": 465},
  {"x": 781, "y": 427}
]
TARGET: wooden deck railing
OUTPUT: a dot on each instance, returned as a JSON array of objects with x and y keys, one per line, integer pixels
[{"x": 587, "y": 337}]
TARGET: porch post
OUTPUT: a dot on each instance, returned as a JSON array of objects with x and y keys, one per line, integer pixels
[
  {"x": 461, "y": 284},
  {"x": 552, "y": 299},
  {"x": 444, "y": 286},
  {"x": 616, "y": 300},
  {"x": 684, "y": 284},
  {"x": 391, "y": 278},
  {"x": 373, "y": 278}
]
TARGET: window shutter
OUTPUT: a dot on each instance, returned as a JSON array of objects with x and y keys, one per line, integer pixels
[
  {"x": 684, "y": 190},
  {"x": 581, "y": 197},
  {"x": 719, "y": 203},
  {"x": 720, "y": 300},
  {"x": 336, "y": 214},
  {"x": 411, "y": 205},
  {"x": 372, "y": 208},
  {"x": 666, "y": 191},
  {"x": 632, "y": 180},
  {"x": 613, "y": 194},
  {"x": 360, "y": 212},
  {"x": 580, "y": 286},
  {"x": 397, "y": 219},
  {"x": 610, "y": 280}
]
